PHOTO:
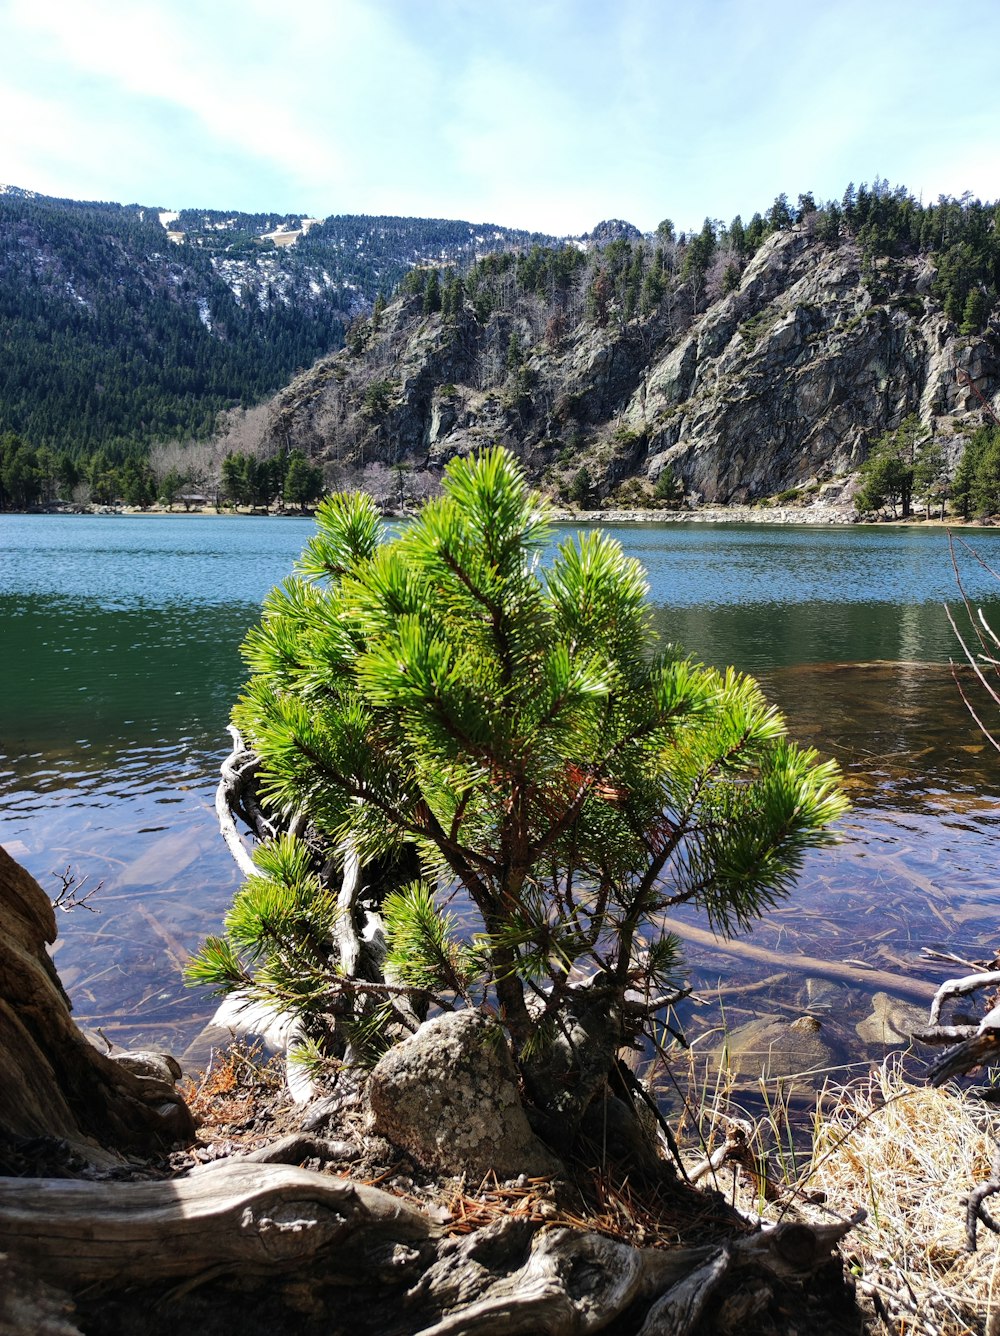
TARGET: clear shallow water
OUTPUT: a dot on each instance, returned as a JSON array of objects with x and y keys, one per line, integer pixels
[{"x": 119, "y": 662}]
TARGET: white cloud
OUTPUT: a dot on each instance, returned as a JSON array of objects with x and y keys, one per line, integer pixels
[
  {"x": 150, "y": 53},
  {"x": 544, "y": 113}
]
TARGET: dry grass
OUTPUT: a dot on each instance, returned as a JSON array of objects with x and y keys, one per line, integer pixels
[
  {"x": 238, "y": 1083},
  {"x": 909, "y": 1155}
]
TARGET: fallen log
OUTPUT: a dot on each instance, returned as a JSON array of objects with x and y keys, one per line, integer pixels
[
  {"x": 247, "y": 1225},
  {"x": 918, "y": 989},
  {"x": 242, "y": 1216}
]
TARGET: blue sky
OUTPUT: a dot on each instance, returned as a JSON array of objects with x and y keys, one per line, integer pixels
[{"x": 551, "y": 115}]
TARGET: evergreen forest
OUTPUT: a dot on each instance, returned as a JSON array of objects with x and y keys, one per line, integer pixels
[{"x": 124, "y": 326}]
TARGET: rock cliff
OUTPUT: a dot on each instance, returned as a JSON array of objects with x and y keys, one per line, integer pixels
[{"x": 781, "y": 383}]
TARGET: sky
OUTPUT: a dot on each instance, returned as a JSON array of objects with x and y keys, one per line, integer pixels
[{"x": 544, "y": 114}]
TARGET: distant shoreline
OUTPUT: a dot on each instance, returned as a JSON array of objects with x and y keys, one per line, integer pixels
[{"x": 815, "y": 516}]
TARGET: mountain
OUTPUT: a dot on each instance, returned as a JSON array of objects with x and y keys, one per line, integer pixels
[
  {"x": 124, "y": 324},
  {"x": 733, "y": 364}
]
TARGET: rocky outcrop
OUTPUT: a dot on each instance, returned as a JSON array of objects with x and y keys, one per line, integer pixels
[
  {"x": 782, "y": 383},
  {"x": 789, "y": 379}
]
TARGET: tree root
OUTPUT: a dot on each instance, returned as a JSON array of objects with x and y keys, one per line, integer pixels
[
  {"x": 975, "y": 1207},
  {"x": 294, "y": 1231}
]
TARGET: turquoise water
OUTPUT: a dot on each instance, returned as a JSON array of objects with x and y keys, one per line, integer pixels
[{"x": 119, "y": 661}]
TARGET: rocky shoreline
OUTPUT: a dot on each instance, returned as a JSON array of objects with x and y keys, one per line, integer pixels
[
  {"x": 811, "y": 515},
  {"x": 814, "y": 516}
]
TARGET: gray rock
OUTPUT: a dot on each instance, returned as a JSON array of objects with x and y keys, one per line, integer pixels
[
  {"x": 448, "y": 1096},
  {"x": 785, "y": 381},
  {"x": 772, "y": 1047},
  {"x": 891, "y": 1022}
]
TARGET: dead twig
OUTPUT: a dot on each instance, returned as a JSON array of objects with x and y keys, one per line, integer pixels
[{"x": 70, "y": 896}]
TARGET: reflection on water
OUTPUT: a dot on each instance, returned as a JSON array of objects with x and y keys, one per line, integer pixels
[{"x": 120, "y": 662}]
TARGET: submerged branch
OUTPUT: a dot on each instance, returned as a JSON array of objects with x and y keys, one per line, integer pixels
[{"x": 919, "y": 989}]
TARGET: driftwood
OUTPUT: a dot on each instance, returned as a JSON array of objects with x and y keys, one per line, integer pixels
[
  {"x": 243, "y": 1216},
  {"x": 246, "y": 1224},
  {"x": 969, "y": 983},
  {"x": 898, "y": 984},
  {"x": 978, "y": 1045},
  {"x": 944, "y": 1034},
  {"x": 237, "y": 771}
]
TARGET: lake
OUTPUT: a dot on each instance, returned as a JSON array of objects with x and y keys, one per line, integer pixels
[{"x": 120, "y": 662}]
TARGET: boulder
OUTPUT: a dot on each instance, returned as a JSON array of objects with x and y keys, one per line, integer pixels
[
  {"x": 771, "y": 1047},
  {"x": 448, "y": 1096},
  {"x": 891, "y": 1022}
]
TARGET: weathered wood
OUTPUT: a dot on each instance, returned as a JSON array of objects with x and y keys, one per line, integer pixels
[
  {"x": 255, "y": 1217},
  {"x": 291, "y": 1149},
  {"x": 53, "y": 1082},
  {"x": 234, "y": 770},
  {"x": 970, "y": 983},
  {"x": 945, "y": 1034},
  {"x": 981, "y": 1050},
  {"x": 506, "y": 1279},
  {"x": 898, "y": 984},
  {"x": 679, "y": 1310},
  {"x": 248, "y": 1222},
  {"x": 512, "y": 1279}
]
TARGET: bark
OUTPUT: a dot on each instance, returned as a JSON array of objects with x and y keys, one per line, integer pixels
[{"x": 53, "y": 1082}]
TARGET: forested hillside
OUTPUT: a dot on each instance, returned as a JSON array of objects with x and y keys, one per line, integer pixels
[
  {"x": 733, "y": 364},
  {"x": 124, "y": 325},
  {"x": 743, "y": 361}
]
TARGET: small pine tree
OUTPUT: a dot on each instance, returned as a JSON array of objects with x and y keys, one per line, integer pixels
[
  {"x": 974, "y": 313},
  {"x": 669, "y": 490},
  {"x": 986, "y": 481},
  {"x": 963, "y": 485},
  {"x": 432, "y": 293},
  {"x": 522, "y": 735},
  {"x": 515, "y": 353}
]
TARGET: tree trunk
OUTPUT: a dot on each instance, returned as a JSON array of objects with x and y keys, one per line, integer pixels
[{"x": 53, "y": 1082}]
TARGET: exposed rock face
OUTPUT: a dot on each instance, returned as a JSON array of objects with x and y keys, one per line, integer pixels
[
  {"x": 448, "y": 1096},
  {"x": 790, "y": 378},
  {"x": 53, "y": 1083},
  {"x": 785, "y": 381}
]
